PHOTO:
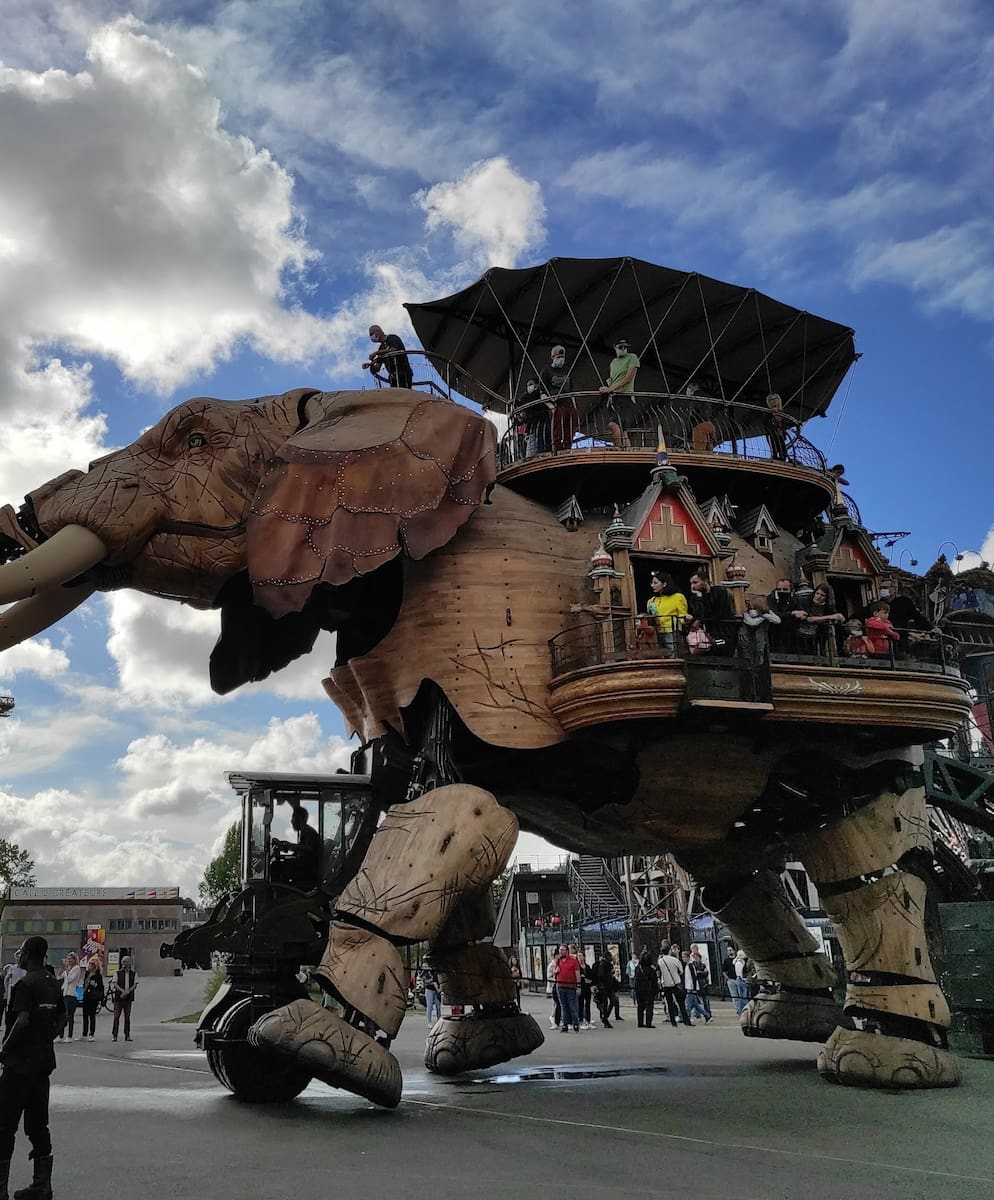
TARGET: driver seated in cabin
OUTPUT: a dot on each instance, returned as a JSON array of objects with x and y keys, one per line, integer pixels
[{"x": 298, "y": 865}]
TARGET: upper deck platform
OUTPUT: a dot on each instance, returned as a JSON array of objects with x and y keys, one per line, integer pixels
[{"x": 549, "y": 445}]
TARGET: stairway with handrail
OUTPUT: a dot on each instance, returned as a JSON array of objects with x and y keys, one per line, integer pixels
[{"x": 598, "y": 892}]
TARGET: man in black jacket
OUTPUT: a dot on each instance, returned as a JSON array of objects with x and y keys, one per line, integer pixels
[
  {"x": 713, "y": 606},
  {"x": 36, "y": 1013},
  {"x": 606, "y": 987},
  {"x": 391, "y": 354}
]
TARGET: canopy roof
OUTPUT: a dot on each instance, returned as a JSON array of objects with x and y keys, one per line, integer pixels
[{"x": 733, "y": 343}]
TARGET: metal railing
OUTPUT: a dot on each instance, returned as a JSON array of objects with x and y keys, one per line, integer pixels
[
  {"x": 580, "y": 421},
  {"x": 435, "y": 374},
  {"x": 591, "y": 901},
  {"x": 632, "y": 639},
  {"x": 690, "y": 424}
]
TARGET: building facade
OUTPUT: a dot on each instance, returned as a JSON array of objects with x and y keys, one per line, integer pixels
[{"x": 109, "y": 922}]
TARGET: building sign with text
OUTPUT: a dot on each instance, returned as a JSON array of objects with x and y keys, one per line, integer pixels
[{"x": 94, "y": 893}]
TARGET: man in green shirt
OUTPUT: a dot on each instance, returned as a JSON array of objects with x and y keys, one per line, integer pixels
[{"x": 621, "y": 376}]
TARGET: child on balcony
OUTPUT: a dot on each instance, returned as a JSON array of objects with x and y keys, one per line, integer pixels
[
  {"x": 856, "y": 645},
  {"x": 880, "y": 632},
  {"x": 754, "y": 633}
]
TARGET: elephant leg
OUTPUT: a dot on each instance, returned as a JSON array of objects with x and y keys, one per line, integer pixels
[
  {"x": 768, "y": 927},
  {"x": 862, "y": 866},
  {"x": 424, "y": 859},
  {"x": 475, "y": 974}
]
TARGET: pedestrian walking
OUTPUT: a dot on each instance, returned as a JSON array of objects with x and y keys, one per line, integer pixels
[
  {"x": 123, "y": 989},
  {"x": 605, "y": 987},
  {"x": 692, "y": 987},
  {"x": 36, "y": 1014},
  {"x": 567, "y": 985},
  {"x": 739, "y": 986},
  {"x": 71, "y": 979},
  {"x": 645, "y": 988},
  {"x": 433, "y": 994},
  {"x": 93, "y": 997},
  {"x": 586, "y": 989},
  {"x": 551, "y": 990},
  {"x": 703, "y": 973},
  {"x": 671, "y": 984}
]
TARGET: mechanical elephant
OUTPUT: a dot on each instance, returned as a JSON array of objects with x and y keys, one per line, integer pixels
[{"x": 376, "y": 515}]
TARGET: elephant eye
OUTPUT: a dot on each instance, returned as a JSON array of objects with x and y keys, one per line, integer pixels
[{"x": 196, "y": 440}]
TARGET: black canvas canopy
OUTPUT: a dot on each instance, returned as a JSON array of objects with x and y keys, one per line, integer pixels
[{"x": 733, "y": 343}]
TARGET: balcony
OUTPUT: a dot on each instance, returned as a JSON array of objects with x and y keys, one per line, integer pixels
[
  {"x": 617, "y": 670},
  {"x": 593, "y": 428}
]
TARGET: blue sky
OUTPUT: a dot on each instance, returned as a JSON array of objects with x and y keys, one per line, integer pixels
[{"x": 217, "y": 199}]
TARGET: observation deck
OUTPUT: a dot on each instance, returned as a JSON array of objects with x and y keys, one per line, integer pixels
[
  {"x": 613, "y": 670},
  {"x": 605, "y": 447}
]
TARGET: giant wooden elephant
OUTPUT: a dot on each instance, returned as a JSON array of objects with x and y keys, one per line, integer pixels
[{"x": 375, "y": 514}]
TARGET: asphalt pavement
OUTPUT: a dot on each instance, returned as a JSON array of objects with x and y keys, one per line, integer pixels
[{"x": 696, "y": 1113}]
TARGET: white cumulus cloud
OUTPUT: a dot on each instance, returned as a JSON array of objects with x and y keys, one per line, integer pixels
[
  {"x": 494, "y": 214},
  {"x": 35, "y": 657}
]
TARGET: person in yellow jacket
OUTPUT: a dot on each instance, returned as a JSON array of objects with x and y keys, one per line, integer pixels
[{"x": 668, "y": 608}]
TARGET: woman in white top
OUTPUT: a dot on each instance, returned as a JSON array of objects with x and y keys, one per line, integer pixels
[{"x": 71, "y": 978}]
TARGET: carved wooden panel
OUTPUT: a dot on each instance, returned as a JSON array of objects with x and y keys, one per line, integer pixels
[
  {"x": 870, "y": 839},
  {"x": 881, "y": 927},
  {"x": 476, "y": 618}
]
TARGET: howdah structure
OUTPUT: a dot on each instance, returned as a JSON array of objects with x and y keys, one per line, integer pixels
[{"x": 500, "y": 661}]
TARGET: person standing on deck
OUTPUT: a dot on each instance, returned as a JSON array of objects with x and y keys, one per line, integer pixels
[
  {"x": 391, "y": 354},
  {"x": 622, "y": 371},
  {"x": 557, "y": 385}
]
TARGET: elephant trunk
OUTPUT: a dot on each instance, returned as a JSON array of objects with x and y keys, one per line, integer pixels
[
  {"x": 30, "y": 617},
  {"x": 68, "y": 553}
]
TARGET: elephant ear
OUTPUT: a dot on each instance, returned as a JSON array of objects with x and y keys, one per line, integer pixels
[{"x": 374, "y": 475}]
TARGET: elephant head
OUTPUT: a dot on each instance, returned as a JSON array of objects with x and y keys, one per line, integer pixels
[{"x": 280, "y": 511}]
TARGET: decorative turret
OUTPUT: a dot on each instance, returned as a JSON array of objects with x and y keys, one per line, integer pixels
[{"x": 618, "y": 535}]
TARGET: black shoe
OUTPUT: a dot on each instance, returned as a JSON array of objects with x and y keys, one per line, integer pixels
[
  {"x": 607, "y": 1024},
  {"x": 650, "y": 1027},
  {"x": 638, "y": 1026},
  {"x": 40, "y": 1187},
  {"x": 113, "y": 1039},
  {"x": 619, "y": 1018},
  {"x": 565, "y": 1029}
]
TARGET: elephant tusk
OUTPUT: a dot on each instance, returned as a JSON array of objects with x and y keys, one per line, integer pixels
[
  {"x": 65, "y": 555},
  {"x": 38, "y": 613}
]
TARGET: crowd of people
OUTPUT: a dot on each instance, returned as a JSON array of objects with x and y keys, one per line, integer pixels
[
  {"x": 575, "y": 986},
  {"x": 789, "y": 619}
]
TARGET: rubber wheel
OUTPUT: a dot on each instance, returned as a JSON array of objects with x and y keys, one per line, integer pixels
[{"x": 251, "y": 1074}]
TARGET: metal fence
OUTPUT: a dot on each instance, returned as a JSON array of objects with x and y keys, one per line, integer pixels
[{"x": 631, "y": 639}]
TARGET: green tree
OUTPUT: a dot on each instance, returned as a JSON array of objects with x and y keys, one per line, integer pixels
[
  {"x": 499, "y": 885},
  {"x": 16, "y": 867},
  {"x": 224, "y": 872}
]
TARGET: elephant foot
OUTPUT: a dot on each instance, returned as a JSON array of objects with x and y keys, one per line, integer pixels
[
  {"x": 470, "y": 1043},
  {"x": 331, "y": 1050},
  {"x": 793, "y": 1015},
  {"x": 858, "y": 1058}
]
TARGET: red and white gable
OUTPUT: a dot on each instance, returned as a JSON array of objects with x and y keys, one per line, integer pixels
[
  {"x": 675, "y": 525},
  {"x": 853, "y": 556}
]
